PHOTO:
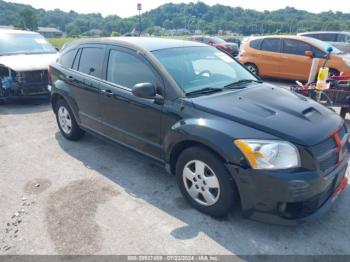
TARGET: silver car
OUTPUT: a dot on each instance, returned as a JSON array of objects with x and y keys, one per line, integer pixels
[
  {"x": 340, "y": 40},
  {"x": 24, "y": 60}
]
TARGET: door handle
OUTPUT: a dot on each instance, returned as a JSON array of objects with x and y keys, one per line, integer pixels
[{"x": 106, "y": 92}]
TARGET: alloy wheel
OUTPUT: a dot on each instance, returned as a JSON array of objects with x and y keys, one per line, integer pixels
[
  {"x": 201, "y": 183},
  {"x": 252, "y": 69},
  {"x": 64, "y": 119}
]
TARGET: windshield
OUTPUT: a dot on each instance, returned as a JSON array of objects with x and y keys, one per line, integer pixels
[
  {"x": 218, "y": 40},
  {"x": 17, "y": 43},
  {"x": 323, "y": 45},
  {"x": 195, "y": 68}
]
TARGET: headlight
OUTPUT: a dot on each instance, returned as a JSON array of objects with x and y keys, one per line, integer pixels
[
  {"x": 347, "y": 62},
  {"x": 269, "y": 154}
]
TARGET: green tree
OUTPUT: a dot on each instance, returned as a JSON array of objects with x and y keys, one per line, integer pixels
[
  {"x": 72, "y": 29},
  {"x": 28, "y": 19}
]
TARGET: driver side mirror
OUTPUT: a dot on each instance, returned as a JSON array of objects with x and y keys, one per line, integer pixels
[
  {"x": 309, "y": 54},
  {"x": 144, "y": 90}
]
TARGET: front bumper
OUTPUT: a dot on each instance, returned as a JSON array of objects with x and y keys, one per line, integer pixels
[
  {"x": 38, "y": 90},
  {"x": 290, "y": 197}
]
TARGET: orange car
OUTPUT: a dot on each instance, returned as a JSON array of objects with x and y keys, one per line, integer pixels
[{"x": 289, "y": 56}]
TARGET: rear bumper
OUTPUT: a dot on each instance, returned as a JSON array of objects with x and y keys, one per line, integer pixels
[{"x": 289, "y": 198}]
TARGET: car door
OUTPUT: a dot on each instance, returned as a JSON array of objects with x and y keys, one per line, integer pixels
[
  {"x": 86, "y": 81},
  {"x": 268, "y": 58},
  {"x": 295, "y": 64},
  {"x": 131, "y": 120}
]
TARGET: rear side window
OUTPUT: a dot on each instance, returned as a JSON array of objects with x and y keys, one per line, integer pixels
[
  {"x": 91, "y": 61},
  {"x": 127, "y": 70},
  {"x": 67, "y": 58},
  {"x": 271, "y": 45},
  {"x": 343, "y": 38},
  {"x": 295, "y": 47},
  {"x": 328, "y": 37},
  {"x": 317, "y": 36},
  {"x": 255, "y": 43}
]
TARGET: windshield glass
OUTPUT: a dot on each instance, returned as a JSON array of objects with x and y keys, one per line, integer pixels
[
  {"x": 195, "y": 68},
  {"x": 218, "y": 40},
  {"x": 17, "y": 43},
  {"x": 323, "y": 45}
]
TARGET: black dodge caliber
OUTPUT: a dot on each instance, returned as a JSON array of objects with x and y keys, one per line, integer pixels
[{"x": 227, "y": 137}]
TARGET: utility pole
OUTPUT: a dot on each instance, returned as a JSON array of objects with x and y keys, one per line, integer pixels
[{"x": 139, "y": 8}]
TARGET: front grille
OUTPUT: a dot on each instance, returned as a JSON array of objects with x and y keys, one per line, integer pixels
[
  {"x": 33, "y": 77},
  {"x": 329, "y": 152}
]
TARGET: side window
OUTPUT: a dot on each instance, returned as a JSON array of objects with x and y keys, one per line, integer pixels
[
  {"x": 271, "y": 45},
  {"x": 91, "y": 61},
  {"x": 328, "y": 37},
  {"x": 255, "y": 43},
  {"x": 341, "y": 38},
  {"x": 127, "y": 70},
  {"x": 317, "y": 36},
  {"x": 295, "y": 47},
  {"x": 67, "y": 58},
  {"x": 205, "y": 40},
  {"x": 318, "y": 53}
]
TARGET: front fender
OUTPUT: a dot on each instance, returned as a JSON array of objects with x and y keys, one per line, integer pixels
[{"x": 216, "y": 133}]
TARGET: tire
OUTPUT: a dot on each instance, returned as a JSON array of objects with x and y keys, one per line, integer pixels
[
  {"x": 66, "y": 121},
  {"x": 222, "y": 195},
  {"x": 252, "y": 68},
  {"x": 343, "y": 112},
  {"x": 333, "y": 72}
]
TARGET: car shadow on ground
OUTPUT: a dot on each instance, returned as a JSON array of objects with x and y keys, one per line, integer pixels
[
  {"x": 25, "y": 106},
  {"x": 146, "y": 179}
]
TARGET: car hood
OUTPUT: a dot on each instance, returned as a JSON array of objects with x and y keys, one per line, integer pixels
[
  {"x": 28, "y": 62},
  {"x": 274, "y": 110}
]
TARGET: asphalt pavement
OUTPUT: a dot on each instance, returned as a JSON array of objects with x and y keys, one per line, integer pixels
[{"x": 93, "y": 197}]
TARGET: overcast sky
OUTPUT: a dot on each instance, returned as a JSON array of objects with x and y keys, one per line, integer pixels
[{"x": 125, "y": 8}]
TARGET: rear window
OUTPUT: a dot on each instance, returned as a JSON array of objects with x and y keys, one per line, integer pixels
[
  {"x": 67, "y": 58},
  {"x": 91, "y": 61},
  {"x": 255, "y": 43},
  {"x": 271, "y": 45}
]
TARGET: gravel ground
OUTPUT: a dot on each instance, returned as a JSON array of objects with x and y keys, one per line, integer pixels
[{"x": 91, "y": 197}]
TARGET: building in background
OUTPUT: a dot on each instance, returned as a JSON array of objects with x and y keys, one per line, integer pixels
[{"x": 50, "y": 32}]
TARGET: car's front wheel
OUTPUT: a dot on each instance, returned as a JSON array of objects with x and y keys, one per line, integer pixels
[
  {"x": 205, "y": 182},
  {"x": 66, "y": 121},
  {"x": 252, "y": 68}
]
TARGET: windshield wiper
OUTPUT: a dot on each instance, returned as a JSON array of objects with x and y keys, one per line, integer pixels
[
  {"x": 206, "y": 90},
  {"x": 238, "y": 83}
]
